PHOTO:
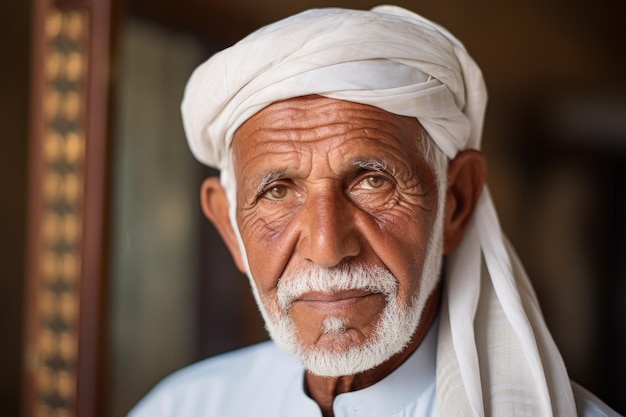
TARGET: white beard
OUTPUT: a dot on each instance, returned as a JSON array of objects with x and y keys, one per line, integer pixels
[
  {"x": 391, "y": 334},
  {"x": 396, "y": 326}
]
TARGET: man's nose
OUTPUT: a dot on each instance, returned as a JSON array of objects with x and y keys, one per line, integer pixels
[{"x": 328, "y": 232}]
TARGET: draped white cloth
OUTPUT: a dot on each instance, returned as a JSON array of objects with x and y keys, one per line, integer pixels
[{"x": 495, "y": 355}]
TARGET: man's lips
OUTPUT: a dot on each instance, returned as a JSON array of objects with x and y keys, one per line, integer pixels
[{"x": 332, "y": 300}]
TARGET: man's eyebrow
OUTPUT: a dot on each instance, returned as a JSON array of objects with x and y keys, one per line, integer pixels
[
  {"x": 374, "y": 165},
  {"x": 265, "y": 180}
]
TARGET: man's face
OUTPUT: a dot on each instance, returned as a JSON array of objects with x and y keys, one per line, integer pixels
[{"x": 338, "y": 190}]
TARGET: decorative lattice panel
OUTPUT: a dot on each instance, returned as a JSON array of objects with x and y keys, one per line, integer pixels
[{"x": 53, "y": 357}]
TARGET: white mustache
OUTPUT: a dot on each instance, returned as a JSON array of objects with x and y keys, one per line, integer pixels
[{"x": 374, "y": 279}]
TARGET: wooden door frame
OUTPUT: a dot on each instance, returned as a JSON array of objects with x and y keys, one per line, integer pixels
[{"x": 65, "y": 335}]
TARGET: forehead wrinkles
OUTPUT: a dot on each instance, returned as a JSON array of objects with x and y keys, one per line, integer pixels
[
  {"x": 287, "y": 128},
  {"x": 310, "y": 119},
  {"x": 312, "y": 113}
]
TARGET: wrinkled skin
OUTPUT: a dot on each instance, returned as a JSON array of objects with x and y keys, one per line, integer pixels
[{"x": 328, "y": 183}]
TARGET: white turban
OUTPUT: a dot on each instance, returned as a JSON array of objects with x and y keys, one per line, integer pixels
[{"x": 495, "y": 355}]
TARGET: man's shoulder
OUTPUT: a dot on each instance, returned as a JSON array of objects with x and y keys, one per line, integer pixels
[
  {"x": 228, "y": 365},
  {"x": 212, "y": 382}
]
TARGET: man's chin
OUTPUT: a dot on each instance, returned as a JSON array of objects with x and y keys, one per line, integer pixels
[
  {"x": 342, "y": 350},
  {"x": 332, "y": 354},
  {"x": 339, "y": 342},
  {"x": 343, "y": 358},
  {"x": 340, "y": 353}
]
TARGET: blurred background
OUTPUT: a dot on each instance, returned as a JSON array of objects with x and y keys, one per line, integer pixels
[{"x": 166, "y": 293}]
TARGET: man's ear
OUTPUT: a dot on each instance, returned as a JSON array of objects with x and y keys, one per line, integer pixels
[
  {"x": 466, "y": 177},
  {"x": 215, "y": 206}
]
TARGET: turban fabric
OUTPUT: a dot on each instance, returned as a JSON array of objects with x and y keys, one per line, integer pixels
[{"x": 495, "y": 355}]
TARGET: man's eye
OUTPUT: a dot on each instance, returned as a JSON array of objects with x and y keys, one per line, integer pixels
[
  {"x": 374, "y": 181},
  {"x": 276, "y": 192}
]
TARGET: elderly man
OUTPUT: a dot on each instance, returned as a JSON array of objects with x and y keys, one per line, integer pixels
[{"x": 348, "y": 148}]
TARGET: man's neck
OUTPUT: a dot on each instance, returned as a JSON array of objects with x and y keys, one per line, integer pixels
[{"x": 324, "y": 389}]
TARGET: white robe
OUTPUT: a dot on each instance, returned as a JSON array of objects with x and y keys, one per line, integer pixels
[{"x": 263, "y": 381}]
